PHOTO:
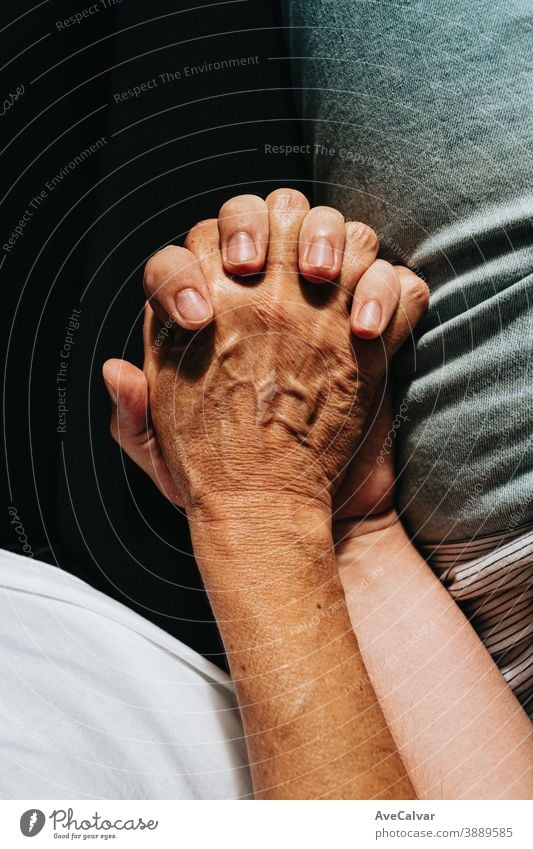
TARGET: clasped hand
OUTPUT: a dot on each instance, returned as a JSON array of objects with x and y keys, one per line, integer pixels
[{"x": 269, "y": 389}]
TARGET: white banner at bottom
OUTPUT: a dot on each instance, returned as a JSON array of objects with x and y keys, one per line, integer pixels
[{"x": 267, "y": 825}]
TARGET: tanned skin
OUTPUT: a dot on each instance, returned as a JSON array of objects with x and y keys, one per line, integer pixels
[{"x": 258, "y": 494}]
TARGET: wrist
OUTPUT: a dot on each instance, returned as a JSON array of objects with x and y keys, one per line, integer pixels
[
  {"x": 261, "y": 539},
  {"x": 269, "y": 567},
  {"x": 354, "y": 531},
  {"x": 365, "y": 559}
]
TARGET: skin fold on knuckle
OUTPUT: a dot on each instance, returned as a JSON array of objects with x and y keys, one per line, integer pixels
[
  {"x": 420, "y": 294},
  {"x": 287, "y": 200},
  {"x": 362, "y": 236},
  {"x": 415, "y": 286}
]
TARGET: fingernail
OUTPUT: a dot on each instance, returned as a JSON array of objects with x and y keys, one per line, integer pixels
[
  {"x": 111, "y": 391},
  {"x": 321, "y": 253},
  {"x": 191, "y": 306},
  {"x": 369, "y": 316},
  {"x": 241, "y": 248}
]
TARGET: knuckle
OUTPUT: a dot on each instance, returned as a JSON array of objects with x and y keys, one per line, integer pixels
[
  {"x": 363, "y": 235},
  {"x": 383, "y": 274},
  {"x": 198, "y": 232},
  {"x": 382, "y": 270},
  {"x": 421, "y": 294},
  {"x": 160, "y": 266},
  {"x": 327, "y": 214},
  {"x": 239, "y": 204},
  {"x": 287, "y": 199},
  {"x": 416, "y": 288},
  {"x": 204, "y": 222}
]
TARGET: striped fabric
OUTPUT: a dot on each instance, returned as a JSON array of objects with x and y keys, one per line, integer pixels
[{"x": 491, "y": 578}]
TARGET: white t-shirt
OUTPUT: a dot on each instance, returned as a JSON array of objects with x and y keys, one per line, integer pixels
[{"x": 97, "y": 702}]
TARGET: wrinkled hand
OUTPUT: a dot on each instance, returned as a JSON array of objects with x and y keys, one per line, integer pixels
[{"x": 272, "y": 396}]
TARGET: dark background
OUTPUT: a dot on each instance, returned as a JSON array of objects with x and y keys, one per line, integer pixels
[{"x": 171, "y": 157}]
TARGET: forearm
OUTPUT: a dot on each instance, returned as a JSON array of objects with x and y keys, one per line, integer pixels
[
  {"x": 312, "y": 723},
  {"x": 458, "y": 727}
]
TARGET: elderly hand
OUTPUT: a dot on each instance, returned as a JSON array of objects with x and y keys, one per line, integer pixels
[{"x": 272, "y": 396}]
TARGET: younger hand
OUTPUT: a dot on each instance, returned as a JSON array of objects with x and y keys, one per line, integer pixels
[{"x": 364, "y": 501}]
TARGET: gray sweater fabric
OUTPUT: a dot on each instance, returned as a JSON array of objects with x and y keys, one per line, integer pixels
[{"x": 419, "y": 120}]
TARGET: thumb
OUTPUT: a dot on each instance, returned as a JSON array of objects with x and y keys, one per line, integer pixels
[
  {"x": 131, "y": 427},
  {"x": 374, "y": 356},
  {"x": 128, "y": 391}
]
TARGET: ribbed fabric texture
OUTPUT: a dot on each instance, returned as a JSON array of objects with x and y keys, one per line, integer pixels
[{"x": 491, "y": 579}]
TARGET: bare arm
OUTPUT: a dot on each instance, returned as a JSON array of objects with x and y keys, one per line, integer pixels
[
  {"x": 255, "y": 417},
  {"x": 312, "y": 723},
  {"x": 460, "y": 730}
]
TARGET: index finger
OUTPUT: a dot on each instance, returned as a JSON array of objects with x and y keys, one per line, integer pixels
[{"x": 176, "y": 288}]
